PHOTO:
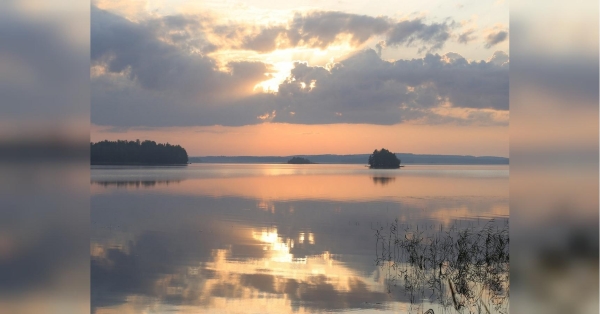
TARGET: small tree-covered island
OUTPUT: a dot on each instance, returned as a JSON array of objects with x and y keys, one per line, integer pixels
[
  {"x": 299, "y": 160},
  {"x": 383, "y": 159},
  {"x": 136, "y": 153}
]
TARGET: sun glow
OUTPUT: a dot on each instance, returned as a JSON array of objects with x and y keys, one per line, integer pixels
[
  {"x": 280, "y": 74},
  {"x": 278, "y": 248},
  {"x": 281, "y": 62}
]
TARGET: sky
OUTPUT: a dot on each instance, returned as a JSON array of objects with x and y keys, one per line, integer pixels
[{"x": 302, "y": 77}]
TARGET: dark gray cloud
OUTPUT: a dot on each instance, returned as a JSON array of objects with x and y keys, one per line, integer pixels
[
  {"x": 314, "y": 29},
  {"x": 500, "y": 58},
  {"x": 321, "y": 29},
  {"x": 495, "y": 38},
  {"x": 317, "y": 30},
  {"x": 265, "y": 40},
  {"x": 466, "y": 36},
  {"x": 409, "y": 32},
  {"x": 150, "y": 81},
  {"x": 135, "y": 49},
  {"x": 366, "y": 89}
]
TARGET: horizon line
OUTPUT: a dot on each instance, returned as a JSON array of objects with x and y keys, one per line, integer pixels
[{"x": 354, "y": 154}]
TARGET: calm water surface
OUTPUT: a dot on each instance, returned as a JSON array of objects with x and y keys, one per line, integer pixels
[{"x": 241, "y": 238}]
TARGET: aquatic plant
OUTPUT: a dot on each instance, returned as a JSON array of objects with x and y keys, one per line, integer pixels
[{"x": 461, "y": 268}]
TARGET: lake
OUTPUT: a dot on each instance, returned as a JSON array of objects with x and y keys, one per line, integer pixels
[{"x": 278, "y": 238}]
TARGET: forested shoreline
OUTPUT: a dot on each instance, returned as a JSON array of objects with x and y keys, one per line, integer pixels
[
  {"x": 299, "y": 160},
  {"x": 136, "y": 153}
]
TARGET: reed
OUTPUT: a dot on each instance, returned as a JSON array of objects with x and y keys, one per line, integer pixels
[{"x": 462, "y": 267}]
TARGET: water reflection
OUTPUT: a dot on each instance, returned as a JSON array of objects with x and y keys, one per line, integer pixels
[
  {"x": 383, "y": 180},
  {"x": 278, "y": 243},
  {"x": 347, "y": 184},
  {"x": 134, "y": 183},
  {"x": 461, "y": 268},
  {"x": 167, "y": 269}
]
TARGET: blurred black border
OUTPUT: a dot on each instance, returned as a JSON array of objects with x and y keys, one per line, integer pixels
[{"x": 554, "y": 157}]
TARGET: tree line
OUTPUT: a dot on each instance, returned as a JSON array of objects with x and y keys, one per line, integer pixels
[
  {"x": 136, "y": 152},
  {"x": 299, "y": 160}
]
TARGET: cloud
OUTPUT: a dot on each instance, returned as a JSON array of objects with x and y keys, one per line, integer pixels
[
  {"x": 409, "y": 32},
  {"x": 466, "y": 36},
  {"x": 379, "y": 47},
  {"x": 317, "y": 30},
  {"x": 367, "y": 89},
  {"x": 136, "y": 50},
  {"x": 206, "y": 32},
  {"x": 146, "y": 75},
  {"x": 495, "y": 36},
  {"x": 322, "y": 29},
  {"x": 143, "y": 75},
  {"x": 265, "y": 40},
  {"x": 499, "y": 58}
]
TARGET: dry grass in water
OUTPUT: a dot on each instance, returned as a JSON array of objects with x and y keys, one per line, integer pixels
[{"x": 465, "y": 269}]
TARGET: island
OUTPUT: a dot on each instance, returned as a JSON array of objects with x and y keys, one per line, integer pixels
[
  {"x": 299, "y": 160},
  {"x": 357, "y": 159},
  {"x": 123, "y": 152},
  {"x": 383, "y": 159}
]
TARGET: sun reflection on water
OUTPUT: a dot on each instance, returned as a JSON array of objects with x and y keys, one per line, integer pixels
[
  {"x": 272, "y": 242},
  {"x": 278, "y": 248}
]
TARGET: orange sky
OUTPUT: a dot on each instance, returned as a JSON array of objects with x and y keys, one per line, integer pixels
[{"x": 439, "y": 71}]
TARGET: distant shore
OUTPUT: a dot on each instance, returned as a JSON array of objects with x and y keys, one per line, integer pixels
[{"x": 359, "y": 159}]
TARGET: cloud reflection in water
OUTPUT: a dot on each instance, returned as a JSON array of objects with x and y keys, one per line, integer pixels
[{"x": 284, "y": 243}]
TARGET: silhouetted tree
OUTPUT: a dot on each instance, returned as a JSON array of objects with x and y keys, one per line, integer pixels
[
  {"x": 383, "y": 159},
  {"x": 299, "y": 160},
  {"x": 136, "y": 152}
]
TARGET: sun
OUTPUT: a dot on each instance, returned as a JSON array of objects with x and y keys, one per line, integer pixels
[
  {"x": 279, "y": 75},
  {"x": 281, "y": 62}
]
